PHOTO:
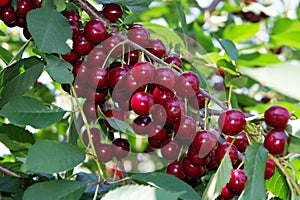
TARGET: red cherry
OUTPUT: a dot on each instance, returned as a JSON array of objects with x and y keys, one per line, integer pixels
[
  {"x": 157, "y": 132},
  {"x": 112, "y": 12},
  {"x": 175, "y": 168},
  {"x": 71, "y": 57},
  {"x": 3, "y": 3},
  {"x": 165, "y": 78},
  {"x": 275, "y": 141},
  {"x": 21, "y": 22},
  {"x": 241, "y": 142},
  {"x": 71, "y": 15},
  {"x": 277, "y": 116},
  {"x": 141, "y": 102},
  {"x": 204, "y": 143},
  {"x": 132, "y": 57},
  {"x": 138, "y": 34},
  {"x": 143, "y": 72},
  {"x": 81, "y": 45},
  {"x": 98, "y": 96},
  {"x": 115, "y": 75},
  {"x": 121, "y": 148},
  {"x": 157, "y": 47},
  {"x": 226, "y": 194},
  {"x": 99, "y": 78},
  {"x": 170, "y": 149},
  {"x": 95, "y": 31},
  {"x": 8, "y": 15},
  {"x": 75, "y": 27},
  {"x": 237, "y": 181},
  {"x": 158, "y": 114},
  {"x": 187, "y": 84},
  {"x": 231, "y": 122},
  {"x": 198, "y": 101},
  {"x": 96, "y": 58},
  {"x": 175, "y": 110},
  {"x": 270, "y": 169},
  {"x": 95, "y": 135},
  {"x": 140, "y": 124},
  {"x": 192, "y": 170},
  {"x": 115, "y": 114},
  {"x": 104, "y": 152},
  {"x": 172, "y": 59},
  {"x": 221, "y": 151},
  {"x": 90, "y": 111},
  {"x": 185, "y": 129},
  {"x": 36, "y": 3},
  {"x": 195, "y": 158},
  {"x": 24, "y": 6},
  {"x": 161, "y": 96},
  {"x": 112, "y": 45}
]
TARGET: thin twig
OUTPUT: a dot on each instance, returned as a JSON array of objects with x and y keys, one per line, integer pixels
[
  {"x": 213, "y": 5},
  {"x": 9, "y": 172},
  {"x": 124, "y": 173}
]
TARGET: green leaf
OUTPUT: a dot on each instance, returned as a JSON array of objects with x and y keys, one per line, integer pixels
[
  {"x": 181, "y": 17},
  {"x": 135, "y": 6},
  {"x": 218, "y": 180},
  {"x": 240, "y": 32},
  {"x": 229, "y": 48},
  {"x": 257, "y": 59},
  {"x": 50, "y": 157},
  {"x": 291, "y": 39},
  {"x": 5, "y": 55},
  {"x": 246, "y": 100},
  {"x": 60, "y": 5},
  {"x": 55, "y": 190},
  {"x": 294, "y": 144},
  {"x": 44, "y": 25},
  {"x": 2, "y": 33},
  {"x": 59, "y": 70},
  {"x": 168, "y": 182},
  {"x": 15, "y": 138},
  {"x": 10, "y": 184},
  {"x": 255, "y": 165},
  {"x": 227, "y": 66},
  {"x": 119, "y": 125},
  {"x": 22, "y": 110},
  {"x": 129, "y": 19},
  {"x": 239, "y": 82},
  {"x": 277, "y": 185},
  {"x": 281, "y": 77},
  {"x": 138, "y": 191},
  {"x": 18, "y": 78}
]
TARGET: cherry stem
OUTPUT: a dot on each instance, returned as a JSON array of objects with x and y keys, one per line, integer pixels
[
  {"x": 9, "y": 172},
  {"x": 94, "y": 13}
]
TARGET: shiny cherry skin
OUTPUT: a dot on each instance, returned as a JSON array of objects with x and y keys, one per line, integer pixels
[
  {"x": 226, "y": 194},
  {"x": 231, "y": 122},
  {"x": 71, "y": 15},
  {"x": 121, "y": 148},
  {"x": 187, "y": 84},
  {"x": 96, "y": 58},
  {"x": 112, "y": 12},
  {"x": 99, "y": 78},
  {"x": 275, "y": 141},
  {"x": 241, "y": 142},
  {"x": 198, "y": 101},
  {"x": 237, "y": 181},
  {"x": 277, "y": 116},
  {"x": 95, "y": 31},
  {"x": 175, "y": 110},
  {"x": 270, "y": 169},
  {"x": 71, "y": 57},
  {"x": 175, "y": 60},
  {"x": 139, "y": 34},
  {"x": 8, "y": 15},
  {"x": 141, "y": 103},
  {"x": 158, "y": 114},
  {"x": 192, "y": 170},
  {"x": 115, "y": 75},
  {"x": 165, "y": 77},
  {"x": 81, "y": 45},
  {"x": 132, "y": 57},
  {"x": 140, "y": 124},
  {"x": 185, "y": 129},
  {"x": 157, "y": 47},
  {"x": 204, "y": 143},
  {"x": 95, "y": 135},
  {"x": 24, "y": 6},
  {"x": 157, "y": 132},
  {"x": 175, "y": 168},
  {"x": 221, "y": 151},
  {"x": 143, "y": 72},
  {"x": 161, "y": 96},
  {"x": 90, "y": 110},
  {"x": 112, "y": 45},
  {"x": 104, "y": 152},
  {"x": 195, "y": 159},
  {"x": 170, "y": 149},
  {"x": 4, "y": 3},
  {"x": 36, "y": 3}
]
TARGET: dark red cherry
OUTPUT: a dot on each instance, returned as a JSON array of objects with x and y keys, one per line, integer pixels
[
  {"x": 251, "y": 17},
  {"x": 198, "y": 101},
  {"x": 98, "y": 96},
  {"x": 175, "y": 110},
  {"x": 175, "y": 168},
  {"x": 241, "y": 142},
  {"x": 138, "y": 34},
  {"x": 71, "y": 57},
  {"x": 112, "y": 45},
  {"x": 187, "y": 84},
  {"x": 26, "y": 33},
  {"x": 36, "y": 3},
  {"x": 81, "y": 45},
  {"x": 90, "y": 110},
  {"x": 141, "y": 102},
  {"x": 196, "y": 158},
  {"x": 121, "y": 148},
  {"x": 140, "y": 124},
  {"x": 156, "y": 144},
  {"x": 81, "y": 71},
  {"x": 71, "y": 15},
  {"x": 185, "y": 129},
  {"x": 8, "y": 15},
  {"x": 226, "y": 194},
  {"x": 231, "y": 122},
  {"x": 158, "y": 114},
  {"x": 115, "y": 75},
  {"x": 204, "y": 143},
  {"x": 99, "y": 78},
  {"x": 270, "y": 169},
  {"x": 21, "y": 22},
  {"x": 75, "y": 27},
  {"x": 237, "y": 181},
  {"x": 95, "y": 136},
  {"x": 175, "y": 60},
  {"x": 112, "y": 12},
  {"x": 275, "y": 141},
  {"x": 165, "y": 77},
  {"x": 277, "y": 116},
  {"x": 132, "y": 57},
  {"x": 95, "y": 31},
  {"x": 4, "y": 3},
  {"x": 130, "y": 84},
  {"x": 96, "y": 58},
  {"x": 170, "y": 149},
  {"x": 161, "y": 96},
  {"x": 221, "y": 151},
  {"x": 157, "y": 47},
  {"x": 24, "y": 6},
  {"x": 157, "y": 132},
  {"x": 104, "y": 152},
  {"x": 192, "y": 170},
  {"x": 143, "y": 72}
]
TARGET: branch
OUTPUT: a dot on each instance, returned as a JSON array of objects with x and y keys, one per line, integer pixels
[
  {"x": 9, "y": 172},
  {"x": 213, "y": 5}
]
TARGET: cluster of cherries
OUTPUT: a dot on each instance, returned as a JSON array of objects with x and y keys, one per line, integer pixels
[
  {"x": 251, "y": 16},
  {"x": 12, "y": 17}
]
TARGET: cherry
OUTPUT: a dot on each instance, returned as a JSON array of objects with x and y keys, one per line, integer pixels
[
  {"x": 104, "y": 152},
  {"x": 143, "y": 72},
  {"x": 275, "y": 141},
  {"x": 71, "y": 15},
  {"x": 81, "y": 71},
  {"x": 204, "y": 143},
  {"x": 165, "y": 77},
  {"x": 231, "y": 122},
  {"x": 175, "y": 110},
  {"x": 140, "y": 124},
  {"x": 132, "y": 57},
  {"x": 175, "y": 168},
  {"x": 98, "y": 96},
  {"x": 251, "y": 17},
  {"x": 71, "y": 57},
  {"x": 192, "y": 170},
  {"x": 99, "y": 78},
  {"x": 175, "y": 60},
  {"x": 130, "y": 84},
  {"x": 81, "y": 45},
  {"x": 241, "y": 142},
  {"x": 95, "y": 135},
  {"x": 24, "y": 6},
  {"x": 185, "y": 129},
  {"x": 80, "y": 89},
  {"x": 138, "y": 34},
  {"x": 36, "y": 3},
  {"x": 96, "y": 57},
  {"x": 121, "y": 148},
  {"x": 212, "y": 163},
  {"x": 170, "y": 149},
  {"x": 8, "y": 15},
  {"x": 187, "y": 84},
  {"x": 157, "y": 47},
  {"x": 226, "y": 193},
  {"x": 270, "y": 169},
  {"x": 115, "y": 75},
  {"x": 161, "y": 96},
  {"x": 198, "y": 102},
  {"x": 3, "y": 3},
  {"x": 75, "y": 27},
  {"x": 237, "y": 181},
  {"x": 21, "y": 22},
  {"x": 26, "y": 33},
  {"x": 157, "y": 132},
  {"x": 158, "y": 114},
  {"x": 112, "y": 12},
  {"x": 221, "y": 151},
  {"x": 277, "y": 116},
  {"x": 95, "y": 31},
  {"x": 195, "y": 158},
  {"x": 116, "y": 114},
  {"x": 112, "y": 45},
  {"x": 156, "y": 144},
  {"x": 90, "y": 110},
  {"x": 141, "y": 102}
]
